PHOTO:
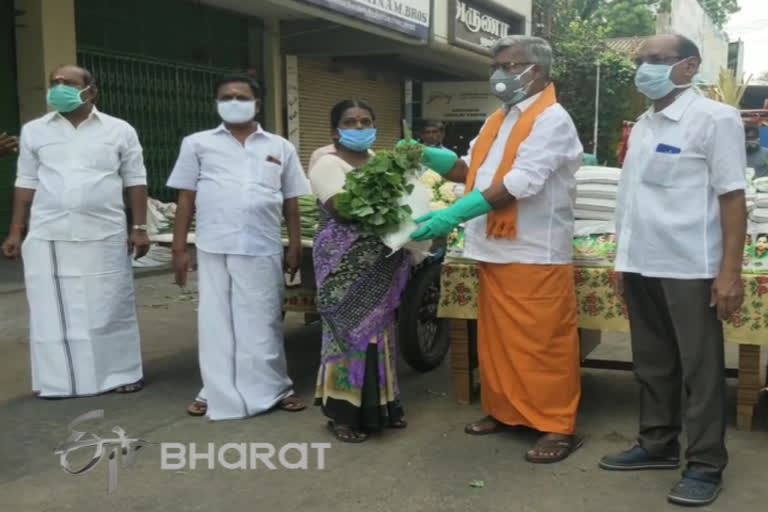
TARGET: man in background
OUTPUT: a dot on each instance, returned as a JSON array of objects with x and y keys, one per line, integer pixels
[
  {"x": 8, "y": 144},
  {"x": 757, "y": 155},
  {"x": 432, "y": 133}
]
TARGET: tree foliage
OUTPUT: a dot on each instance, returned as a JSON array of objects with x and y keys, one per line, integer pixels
[
  {"x": 638, "y": 17},
  {"x": 720, "y": 10},
  {"x": 579, "y": 45},
  {"x": 577, "y": 54},
  {"x": 621, "y": 18}
]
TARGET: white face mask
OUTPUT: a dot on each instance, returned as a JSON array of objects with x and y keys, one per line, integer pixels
[{"x": 236, "y": 111}]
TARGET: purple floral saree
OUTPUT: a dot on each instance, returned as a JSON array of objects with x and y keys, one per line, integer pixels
[{"x": 358, "y": 292}]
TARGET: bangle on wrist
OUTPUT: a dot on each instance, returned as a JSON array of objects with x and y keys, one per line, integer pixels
[{"x": 18, "y": 228}]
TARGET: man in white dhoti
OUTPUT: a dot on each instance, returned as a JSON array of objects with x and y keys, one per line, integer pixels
[
  {"x": 74, "y": 165},
  {"x": 240, "y": 180}
]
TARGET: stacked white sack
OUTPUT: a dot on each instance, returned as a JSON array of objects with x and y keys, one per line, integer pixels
[{"x": 596, "y": 189}]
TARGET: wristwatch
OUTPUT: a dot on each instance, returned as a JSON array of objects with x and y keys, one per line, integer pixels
[{"x": 139, "y": 227}]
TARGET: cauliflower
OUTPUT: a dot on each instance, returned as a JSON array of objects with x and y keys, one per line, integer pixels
[
  {"x": 447, "y": 192},
  {"x": 438, "y": 205},
  {"x": 431, "y": 178}
]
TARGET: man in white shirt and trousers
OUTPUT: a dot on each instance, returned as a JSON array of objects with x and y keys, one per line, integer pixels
[
  {"x": 74, "y": 165},
  {"x": 681, "y": 223},
  {"x": 241, "y": 180}
]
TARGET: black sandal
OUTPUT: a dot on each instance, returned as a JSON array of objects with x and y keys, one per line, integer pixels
[
  {"x": 401, "y": 423},
  {"x": 130, "y": 388},
  {"x": 346, "y": 434}
]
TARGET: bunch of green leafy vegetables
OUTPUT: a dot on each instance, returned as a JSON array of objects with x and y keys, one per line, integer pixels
[{"x": 372, "y": 193}]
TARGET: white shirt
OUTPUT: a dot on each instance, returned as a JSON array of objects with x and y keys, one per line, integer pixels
[
  {"x": 240, "y": 189},
  {"x": 542, "y": 180},
  {"x": 78, "y": 175},
  {"x": 678, "y": 162}
]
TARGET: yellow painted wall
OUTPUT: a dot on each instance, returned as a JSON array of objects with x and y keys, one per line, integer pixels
[{"x": 45, "y": 39}]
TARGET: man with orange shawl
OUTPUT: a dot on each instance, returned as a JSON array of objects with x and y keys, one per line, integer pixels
[{"x": 519, "y": 175}]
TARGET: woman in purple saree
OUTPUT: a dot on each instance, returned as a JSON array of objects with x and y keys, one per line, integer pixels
[{"x": 358, "y": 292}]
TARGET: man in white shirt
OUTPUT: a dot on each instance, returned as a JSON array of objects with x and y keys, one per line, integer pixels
[
  {"x": 681, "y": 224},
  {"x": 519, "y": 212},
  {"x": 74, "y": 165},
  {"x": 241, "y": 181}
]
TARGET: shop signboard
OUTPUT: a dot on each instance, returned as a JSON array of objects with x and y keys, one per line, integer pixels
[
  {"x": 457, "y": 101},
  {"x": 409, "y": 17},
  {"x": 475, "y": 27}
]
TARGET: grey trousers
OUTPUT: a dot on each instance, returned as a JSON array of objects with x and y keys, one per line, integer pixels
[{"x": 678, "y": 349}]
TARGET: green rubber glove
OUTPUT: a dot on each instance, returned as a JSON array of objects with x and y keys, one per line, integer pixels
[
  {"x": 442, "y": 222},
  {"x": 440, "y": 160}
]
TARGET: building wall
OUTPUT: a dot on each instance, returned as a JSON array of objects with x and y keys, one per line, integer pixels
[
  {"x": 45, "y": 39},
  {"x": 687, "y": 18}
]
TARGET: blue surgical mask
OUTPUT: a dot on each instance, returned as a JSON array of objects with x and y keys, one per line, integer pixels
[
  {"x": 357, "y": 140},
  {"x": 509, "y": 88},
  {"x": 653, "y": 80},
  {"x": 65, "y": 98}
]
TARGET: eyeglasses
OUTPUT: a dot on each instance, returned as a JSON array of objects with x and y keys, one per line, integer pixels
[
  {"x": 507, "y": 66},
  {"x": 655, "y": 59}
]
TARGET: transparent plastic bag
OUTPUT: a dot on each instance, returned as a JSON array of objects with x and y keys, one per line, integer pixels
[{"x": 419, "y": 201}]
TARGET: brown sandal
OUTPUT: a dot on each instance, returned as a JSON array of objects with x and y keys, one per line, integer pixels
[
  {"x": 485, "y": 426},
  {"x": 292, "y": 404},
  {"x": 197, "y": 408},
  {"x": 347, "y": 434},
  {"x": 548, "y": 449}
]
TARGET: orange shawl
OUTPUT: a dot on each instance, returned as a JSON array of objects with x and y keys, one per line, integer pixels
[{"x": 503, "y": 223}]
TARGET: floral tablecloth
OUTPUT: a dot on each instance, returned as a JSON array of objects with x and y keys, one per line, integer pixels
[{"x": 599, "y": 306}]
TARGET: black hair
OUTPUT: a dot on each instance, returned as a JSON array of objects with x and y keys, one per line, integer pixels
[
  {"x": 338, "y": 110},
  {"x": 432, "y": 123},
  {"x": 87, "y": 76},
  {"x": 240, "y": 79},
  {"x": 687, "y": 48}
]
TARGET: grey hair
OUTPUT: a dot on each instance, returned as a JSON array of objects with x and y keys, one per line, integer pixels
[{"x": 537, "y": 50}]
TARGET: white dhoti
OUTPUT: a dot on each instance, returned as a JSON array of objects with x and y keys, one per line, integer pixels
[
  {"x": 84, "y": 336},
  {"x": 240, "y": 331}
]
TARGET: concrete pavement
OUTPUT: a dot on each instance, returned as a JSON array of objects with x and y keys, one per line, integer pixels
[{"x": 429, "y": 466}]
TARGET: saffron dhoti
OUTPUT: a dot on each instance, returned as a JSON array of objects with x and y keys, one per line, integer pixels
[{"x": 528, "y": 345}]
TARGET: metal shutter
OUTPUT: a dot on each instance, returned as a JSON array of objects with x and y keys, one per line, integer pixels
[{"x": 320, "y": 89}]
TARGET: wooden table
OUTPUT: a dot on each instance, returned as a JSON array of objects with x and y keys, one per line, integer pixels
[{"x": 601, "y": 310}]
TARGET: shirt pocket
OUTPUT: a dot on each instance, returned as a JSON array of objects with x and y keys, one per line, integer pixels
[
  {"x": 100, "y": 156},
  {"x": 675, "y": 171},
  {"x": 269, "y": 176}
]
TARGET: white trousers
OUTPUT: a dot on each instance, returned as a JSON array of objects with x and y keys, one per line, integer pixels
[
  {"x": 240, "y": 331},
  {"x": 84, "y": 336}
]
